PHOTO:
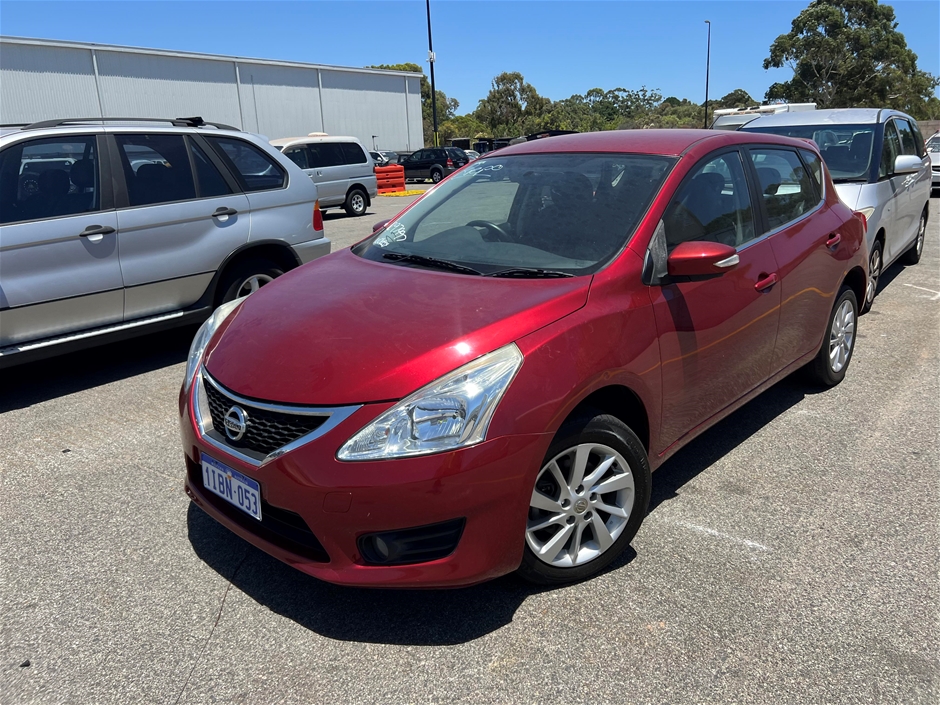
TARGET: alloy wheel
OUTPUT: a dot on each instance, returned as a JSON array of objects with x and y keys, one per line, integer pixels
[
  {"x": 921, "y": 235},
  {"x": 874, "y": 271},
  {"x": 252, "y": 284},
  {"x": 581, "y": 503},
  {"x": 358, "y": 203},
  {"x": 841, "y": 336}
]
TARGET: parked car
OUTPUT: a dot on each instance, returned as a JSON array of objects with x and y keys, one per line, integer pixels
[
  {"x": 385, "y": 158},
  {"x": 340, "y": 167},
  {"x": 433, "y": 163},
  {"x": 879, "y": 167},
  {"x": 112, "y": 229},
  {"x": 933, "y": 151},
  {"x": 471, "y": 155},
  {"x": 485, "y": 384}
]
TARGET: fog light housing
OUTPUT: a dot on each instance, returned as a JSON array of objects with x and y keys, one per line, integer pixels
[{"x": 416, "y": 545}]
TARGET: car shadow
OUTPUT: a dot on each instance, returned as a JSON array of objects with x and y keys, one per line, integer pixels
[
  {"x": 445, "y": 617},
  {"x": 35, "y": 382}
]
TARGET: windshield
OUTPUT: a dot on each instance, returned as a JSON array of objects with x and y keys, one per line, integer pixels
[
  {"x": 527, "y": 215},
  {"x": 846, "y": 149},
  {"x": 933, "y": 145}
]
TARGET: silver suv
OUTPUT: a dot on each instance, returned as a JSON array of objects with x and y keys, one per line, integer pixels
[
  {"x": 880, "y": 168},
  {"x": 110, "y": 228}
]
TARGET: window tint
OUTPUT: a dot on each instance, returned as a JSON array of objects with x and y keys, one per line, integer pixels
[
  {"x": 208, "y": 178},
  {"x": 846, "y": 149},
  {"x": 713, "y": 205},
  {"x": 324, "y": 154},
  {"x": 156, "y": 168},
  {"x": 255, "y": 170},
  {"x": 890, "y": 150},
  {"x": 919, "y": 139},
  {"x": 48, "y": 178},
  {"x": 353, "y": 154},
  {"x": 815, "y": 167},
  {"x": 298, "y": 155},
  {"x": 785, "y": 185},
  {"x": 908, "y": 143}
]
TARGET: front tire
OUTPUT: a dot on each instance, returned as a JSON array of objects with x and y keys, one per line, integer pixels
[
  {"x": 912, "y": 256},
  {"x": 835, "y": 354},
  {"x": 589, "y": 499},
  {"x": 875, "y": 264},
  {"x": 355, "y": 203}
]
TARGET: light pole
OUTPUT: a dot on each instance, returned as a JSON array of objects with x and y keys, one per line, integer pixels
[
  {"x": 431, "y": 61},
  {"x": 708, "y": 59},
  {"x": 373, "y": 143}
]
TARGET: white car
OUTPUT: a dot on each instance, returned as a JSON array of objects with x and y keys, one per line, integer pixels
[{"x": 933, "y": 151}]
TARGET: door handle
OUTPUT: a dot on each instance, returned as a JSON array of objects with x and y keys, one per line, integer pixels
[
  {"x": 219, "y": 212},
  {"x": 834, "y": 240},
  {"x": 96, "y": 230},
  {"x": 767, "y": 282}
]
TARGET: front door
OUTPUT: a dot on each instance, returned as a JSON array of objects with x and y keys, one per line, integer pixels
[
  {"x": 59, "y": 266},
  {"x": 716, "y": 336}
]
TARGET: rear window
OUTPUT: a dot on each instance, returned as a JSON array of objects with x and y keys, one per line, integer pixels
[
  {"x": 847, "y": 149},
  {"x": 255, "y": 170}
]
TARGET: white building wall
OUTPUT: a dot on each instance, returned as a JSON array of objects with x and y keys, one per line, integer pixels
[{"x": 43, "y": 80}]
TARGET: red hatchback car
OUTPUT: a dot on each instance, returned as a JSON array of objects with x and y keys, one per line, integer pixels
[{"x": 485, "y": 383}]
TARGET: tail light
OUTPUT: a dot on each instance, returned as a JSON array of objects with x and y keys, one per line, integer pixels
[
  {"x": 317, "y": 216},
  {"x": 864, "y": 218},
  {"x": 450, "y": 163}
]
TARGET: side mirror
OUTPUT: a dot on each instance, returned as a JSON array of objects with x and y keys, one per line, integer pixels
[
  {"x": 907, "y": 164},
  {"x": 701, "y": 259},
  {"x": 381, "y": 224}
]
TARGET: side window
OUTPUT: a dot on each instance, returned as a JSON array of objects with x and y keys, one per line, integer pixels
[
  {"x": 298, "y": 155},
  {"x": 908, "y": 143},
  {"x": 208, "y": 178},
  {"x": 156, "y": 168},
  {"x": 815, "y": 166},
  {"x": 48, "y": 178},
  {"x": 255, "y": 170},
  {"x": 919, "y": 139},
  {"x": 332, "y": 153},
  {"x": 890, "y": 150},
  {"x": 353, "y": 154},
  {"x": 712, "y": 205},
  {"x": 785, "y": 185}
]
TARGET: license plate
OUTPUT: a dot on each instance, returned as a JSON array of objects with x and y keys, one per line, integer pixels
[{"x": 232, "y": 486}]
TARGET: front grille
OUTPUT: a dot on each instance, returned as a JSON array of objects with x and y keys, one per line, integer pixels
[
  {"x": 281, "y": 527},
  {"x": 266, "y": 430}
]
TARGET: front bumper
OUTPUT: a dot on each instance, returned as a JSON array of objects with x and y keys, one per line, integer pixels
[{"x": 488, "y": 484}]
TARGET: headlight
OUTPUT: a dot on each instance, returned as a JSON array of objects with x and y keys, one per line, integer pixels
[
  {"x": 203, "y": 336},
  {"x": 451, "y": 412}
]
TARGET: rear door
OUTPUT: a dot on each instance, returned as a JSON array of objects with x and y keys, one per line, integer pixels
[
  {"x": 329, "y": 172},
  {"x": 805, "y": 236},
  {"x": 179, "y": 217},
  {"x": 716, "y": 336},
  {"x": 59, "y": 266},
  {"x": 359, "y": 168},
  {"x": 416, "y": 165},
  {"x": 916, "y": 187}
]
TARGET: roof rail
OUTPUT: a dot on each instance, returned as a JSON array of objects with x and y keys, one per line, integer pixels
[{"x": 176, "y": 122}]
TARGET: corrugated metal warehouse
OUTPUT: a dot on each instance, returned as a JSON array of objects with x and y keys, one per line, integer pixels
[{"x": 43, "y": 79}]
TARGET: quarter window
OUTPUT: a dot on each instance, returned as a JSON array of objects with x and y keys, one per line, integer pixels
[
  {"x": 156, "y": 168},
  {"x": 785, "y": 185},
  {"x": 814, "y": 164},
  {"x": 713, "y": 205},
  {"x": 48, "y": 178},
  {"x": 255, "y": 170}
]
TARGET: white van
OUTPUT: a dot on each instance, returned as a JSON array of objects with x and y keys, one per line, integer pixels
[{"x": 340, "y": 167}]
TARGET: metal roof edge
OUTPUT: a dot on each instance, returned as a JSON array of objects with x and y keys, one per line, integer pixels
[{"x": 67, "y": 44}]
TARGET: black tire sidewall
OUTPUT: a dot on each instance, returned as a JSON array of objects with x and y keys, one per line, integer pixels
[
  {"x": 912, "y": 256},
  {"x": 438, "y": 173},
  {"x": 232, "y": 281},
  {"x": 609, "y": 430},
  {"x": 866, "y": 305},
  {"x": 348, "y": 206}
]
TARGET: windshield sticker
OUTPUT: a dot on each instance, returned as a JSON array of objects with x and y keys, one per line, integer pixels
[
  {"x": 393, "y": 233},
  {"x": 476, "y": 170}
]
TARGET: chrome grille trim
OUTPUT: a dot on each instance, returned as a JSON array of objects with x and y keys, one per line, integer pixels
[{"x": 334, "y": 416}]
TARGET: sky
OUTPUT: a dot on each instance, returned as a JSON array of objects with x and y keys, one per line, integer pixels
[{"x": 562, "y": 47}]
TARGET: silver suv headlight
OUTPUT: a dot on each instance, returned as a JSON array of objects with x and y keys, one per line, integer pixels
[
  {"x": 451, "y": 412},
  {"x": 204, "y": 335}
]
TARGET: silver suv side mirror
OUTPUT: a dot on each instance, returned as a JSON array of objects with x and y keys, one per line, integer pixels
[{"x": 907, "y": 164}]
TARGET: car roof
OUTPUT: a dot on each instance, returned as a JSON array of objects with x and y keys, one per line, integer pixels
[
  {"x": 660, "y": 142},
  {"x": 835, "y": 116},
  {"x": 285, "y": 141}
]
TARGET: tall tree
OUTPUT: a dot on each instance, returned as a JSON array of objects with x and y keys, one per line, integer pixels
[
  {"x": 512, "y": 107},
  {"x": 849, "y": 53},
  {"x": 738, "y": 98},
  {"x": 446, "y": 107}
]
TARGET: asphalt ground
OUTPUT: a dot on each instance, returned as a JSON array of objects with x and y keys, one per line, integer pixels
[{"x": 790, "y": 556}]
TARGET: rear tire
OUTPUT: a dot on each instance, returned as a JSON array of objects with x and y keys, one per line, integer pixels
[
  {"x": 835, "y": 353},
  {"x": 912, "y": 256},
  {"x": 355, "y": 203},
  {"x": 246, "y": 277},
  {"x": 574, "y": 528},
  {"x": 436, "y": 175}
]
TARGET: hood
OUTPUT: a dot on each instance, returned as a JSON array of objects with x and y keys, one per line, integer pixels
[
  {"x": 344, "y": 330},
  {"x": 849, "y": 193}
]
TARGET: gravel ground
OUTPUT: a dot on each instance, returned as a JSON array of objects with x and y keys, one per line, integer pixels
[{"x": 791, "y": 555}]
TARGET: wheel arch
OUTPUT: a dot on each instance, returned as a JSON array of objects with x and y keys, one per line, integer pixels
[
  {"x": 277, "y": 251},
  {"x": 622, "y": 403},
  {"x": 360, "y": 187},
  {"x": 857, "y": 280}
]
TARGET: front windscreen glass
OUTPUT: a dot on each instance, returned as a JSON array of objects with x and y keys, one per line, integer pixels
[
  {"x": 531, "y": 215},
  {"x": 846, "y": 149}
]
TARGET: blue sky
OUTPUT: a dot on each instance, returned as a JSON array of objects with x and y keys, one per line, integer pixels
[{"x": 561, "y": 47}]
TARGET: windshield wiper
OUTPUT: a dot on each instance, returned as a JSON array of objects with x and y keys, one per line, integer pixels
[
  {"x": 430, "y": 262},
  {"x": 531, "y": 273}
]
